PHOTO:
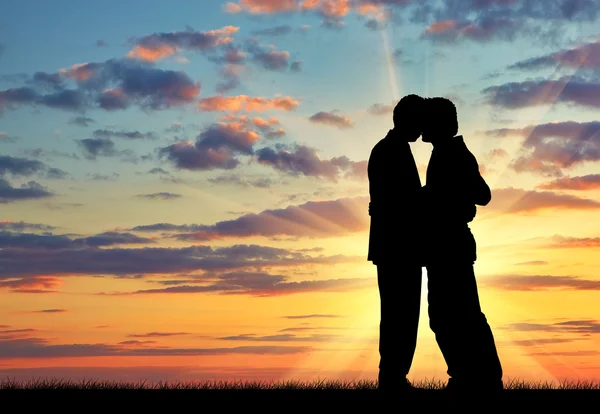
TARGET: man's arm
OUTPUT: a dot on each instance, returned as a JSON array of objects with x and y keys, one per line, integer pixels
[{"x": 480, "y": 190}]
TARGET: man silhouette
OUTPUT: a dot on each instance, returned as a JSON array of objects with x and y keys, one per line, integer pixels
[
  {"x": 394, "y": 188},
  {"x": 453, "y": 187}
]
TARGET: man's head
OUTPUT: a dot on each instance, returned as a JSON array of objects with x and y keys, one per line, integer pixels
[
  {"x": 408, "y": 116},
  {"x": 442, "y": 120}
]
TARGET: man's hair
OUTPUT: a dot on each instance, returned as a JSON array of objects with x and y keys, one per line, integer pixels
[
  {"x": 409, "y": 109},
  {"x": 441, "y": 112}
]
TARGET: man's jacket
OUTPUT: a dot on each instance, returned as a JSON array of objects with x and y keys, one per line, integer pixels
[
  {"x": 453, "y": 188},
  {"x": 394, "y": 187}
]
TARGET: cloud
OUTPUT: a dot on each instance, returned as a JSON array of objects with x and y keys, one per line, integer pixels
[
  {"x": 4, "y": 137},
  {"x": 42, "y": 348},
  {"x": 115, "y": 84},
  {"x": 574, "y": 242},
  {"x": 480, "y": 30},
  {"x": 269, "y": 128},
  {"x": 104, "y": 133},
  {"x": 589, "y": 326},
  {"x": 34, "y": 285},
  {"x": 23, "y": 167},
  {"x": 20, "y": 262},
  {"x": 83, "y": 121},
  {"x": 52, "y": 241},
  {"x": 102, "y": 147},
  {"x": 586, "y": 56},
  {"x": 550, "y": 148},
  {"x": 158, "y": 334},
  {"x": 51, "y": 311},
  {"x": 274, "y": 31},
  {"x": 283, "y": 338},
  {"x": 514, "y": 201},
  {"x": 532, "y": 263},
  {"x": 103, "y": 177},
  {"x": 161, "y": 196},
  {"x": 29, "y": 191},
  {"x": 160, "y": 45},
  {"x": 23, "y": 225},
  {"x": 539, "y": 283},
  {"x": 381, "y": 109},
  {"x": 247, "y": 104},
  {"x": 312, "y": 219},
  {"x": 303, "y": 160},
  {"x": 329, "y": 118},
  {"x": 312, "y": 316},
  {"x": 257, "y": 284},
  {"x": 234, "y": 179},
  {"x": 216, "y": 147},
  {"x": 586, "y": 182},
  {"x": 531, "y": 93}
]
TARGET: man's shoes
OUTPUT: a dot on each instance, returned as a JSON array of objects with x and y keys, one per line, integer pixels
[
  {"x": 458, "y": 388},
  {"x": 395, "y": 386}
]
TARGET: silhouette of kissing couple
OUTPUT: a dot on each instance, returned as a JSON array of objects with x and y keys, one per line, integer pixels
[{"x": 414, "y": 226}]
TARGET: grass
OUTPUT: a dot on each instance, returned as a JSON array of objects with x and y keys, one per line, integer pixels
[
  {"x": 313, "y": 395},
  {"x": 290, "y": 385}
]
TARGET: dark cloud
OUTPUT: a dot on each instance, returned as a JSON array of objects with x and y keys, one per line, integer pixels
[
  {"x": 48, "y": 154},
  {"x": 274, "y": 31},
  {"x": 483, "y": 29},
  {"x": 110, "y": 85},
  {"x": 586, "y": 56},
  {"x": 585, "y": 182},
  {"x": 303, "y": 160},
  {"x": 20, "y": 167},
  {"x": 55, "y": 241},
  {"x": 104, "y": 133},
  {"x": 161, "y": 196},
  {"x": 51, "y": 311},
  {"x": 103, "y": 147},
  {"x": 101, "y": 43},
  {"x": 34, "y": 285},
  {"x": 312, "y": 219},
  {"x": 157, "y": 334},
  {"x": 217, "y": 147},
  {"x": 269, "y": 58},
  {"x": 330, "y": 118},
  {"x": 4, "y": 137},
  {"x": 235, "y": 179},
  {"x": 530, "y": 93},
  {"x": 42, "y": 348},
  {"x": 514, "y": 200},
  {"x": 312, "y": 316},
  {"x": 257, "y": 284},
  {"x": 550, "y": 148},
  {"x": 28, "y": 191},
  {"x": 283, "y": 338},
  {"x": 160, "y": 45},
  {"x": 589, "y": 326},
  {"x": 22, "y": 226},
  {"x": 539, "y": 283},
  {"x": 19, "y": 262},
  {"x": 103, "y": 177},
  {"x": 134, "y": 342}
]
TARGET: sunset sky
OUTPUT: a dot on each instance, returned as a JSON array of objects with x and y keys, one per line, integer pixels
[{"x": 183, "y": 189}]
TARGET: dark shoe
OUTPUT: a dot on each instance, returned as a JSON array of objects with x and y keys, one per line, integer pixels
[
  {"x": 395, "y": 385},
  {"x": 457, "y": 387}
]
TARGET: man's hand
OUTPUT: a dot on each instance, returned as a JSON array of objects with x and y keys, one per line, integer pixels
[{"x": 369, "y": 208}]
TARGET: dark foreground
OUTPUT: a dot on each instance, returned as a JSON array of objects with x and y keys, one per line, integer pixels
[{"x": 119, "y": 398}]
